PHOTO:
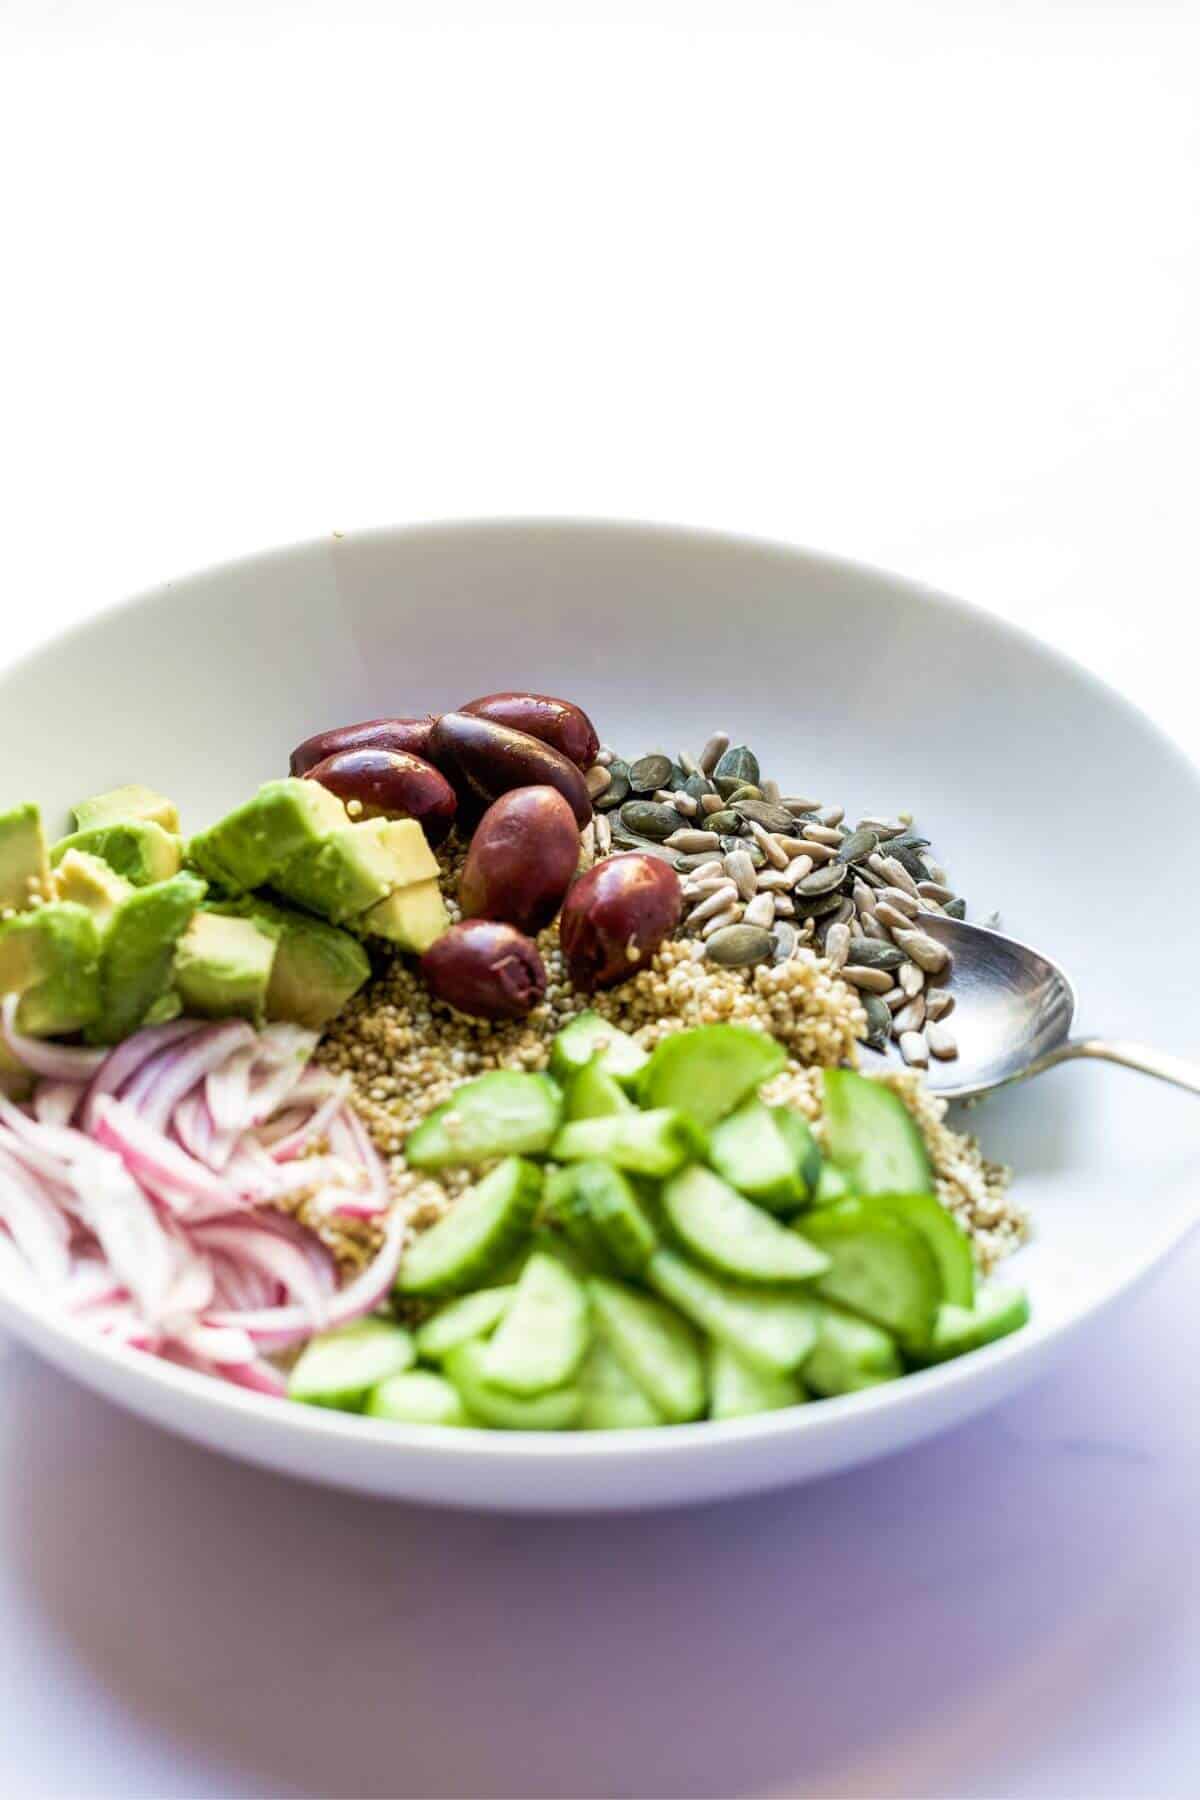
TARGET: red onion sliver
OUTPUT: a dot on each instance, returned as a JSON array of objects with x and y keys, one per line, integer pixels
[
  {"x": 284, "y": 1261},
  {"x": 178, "y": 1179},
  {"x": 38, "y": 1228},
  {"x": 124, "y": 1062},
  {"x": 59, "y": 1061},
  {"x": 287, "y": 1148},
  {"x": 277, "y": 1327},
  {"x": 187, "y": 1064},
  {"x": 56, "y": 1102},
  {"x": 227, "y": 1090}
]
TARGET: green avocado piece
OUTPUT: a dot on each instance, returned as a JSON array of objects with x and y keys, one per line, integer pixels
[
  {"x": 356, "y": 868},
  {"x": 138, "y": 953},
  {"x": 121, "y": 805},
  {"x": 250, "y": 846},
  {"x": 223, "y": 965},
  {"x": 412, "y": 918},
  {"x": 89, "y": 882},
  {"x": 24, "y": 870},
  {"x": 136, "y": 848},
  {"x": 317, "y": 967},
  {"x": 50, "y": 956}
]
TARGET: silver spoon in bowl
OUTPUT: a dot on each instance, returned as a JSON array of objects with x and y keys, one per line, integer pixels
[{"x": 1012, "y": 1017}]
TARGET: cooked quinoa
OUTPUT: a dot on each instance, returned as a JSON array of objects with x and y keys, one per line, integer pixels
[{"x": 406, "y": 1052}]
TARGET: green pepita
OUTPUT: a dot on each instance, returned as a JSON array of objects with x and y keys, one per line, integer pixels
[
  {"x": 879, "y": 1020},
  {"x": 871, "y": 953},
  {"x": 815, "y": 906},
  {"x": 771, "y": 818},
  {"x": 726, "y": 822},
  {"x": 649, "y": 773},
  {"x": 955, "y": 909},
  {"x": 617, "y": 791},
  {"x": 697, "y": 785},
  {"x": 747, "y": 791},
  {"x": 823, "y": 880},
  {"x": 740, "y": 762},
  {"x": 651, "y": 819},
  {"x": 857, "y": 847},
  {"x": 738, "y": 946}
]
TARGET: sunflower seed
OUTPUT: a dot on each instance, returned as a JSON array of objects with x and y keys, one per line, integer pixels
[
  {"x": 859, "y": 846},
  {"x": 771, "y": 792},
  {"x": 868, "y": 953},
  {"x": 688, "y": 763},
  {"x": 938, "y": 1003},
  {"x": 587, "y": 843},
  {"x": 864, "y": 897},
  {"x": 775, "y": 856},
  {"x": 879, "y": 1020},
  {"x": 901, "y": 900},
  {"x": 797, "y": 869},
  {"x": 823, "y": 881},
  {"x": 722, "y": 896},
  {"x": 604, "y": 756},
  {"x": 729, "y": 844},
  {"x": 796, "y": 803},
  {"x": 806, "y": 846},
  {"x": 870, "y": 877},
  {"x": 870, "y": 927},
  {"x": 684, "y": 804},
  {"x": 895, "y": 998},
  {"x": 696, "y": 786},
  {"x": 878, "y": 981},
  {"x": 711, "y": 803},
  {"x": 955, "y": 909},
  {"x": 649, "y": 772},
  {"x": 617, "y": 791},
  {"x": 691, "y": 841},
  {"x": 833, "y": 835},
  {"x": 760, "y": 911},
  {"x": 785, "y": 906},
  {"x": 699, "y": 888},
  {"x": 722, "y": 921},
  {"x": 597, "y": 780},
  {"x": 934, "y": 890},
  {"x": 773, "y": 881},
  {"x": 914, "y": 1049},
  {"x": 899, "y": 876},
  {"x": 837, "y": 944},
  {"x": 738, "y": 761},
  {"x": 925, "y": 951},
  {"x": 738, "y": 946},
  {"x": 688, "y": 864},
  {"x": 784, "y": 939},
  {"x": 761, "y": 812},
  {"x": 711, "y": 870},
  {"x": 740, "y": 870},
  {"x": 911, "y": 1017},
  {"x": 831, "y": 815},
  {"x": 935, "y": 871},
  {"x": 892, "y": 917},
  {"x": 603, "y": 834},
  {"x": 713, "y": 751},
  {"x": 911, "y": 979},
  {"x": 942, "y": 1042},
  {"x": 845, "y": 912}
]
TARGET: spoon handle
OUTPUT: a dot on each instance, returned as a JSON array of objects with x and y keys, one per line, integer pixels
[{"x": 1177, "y": 1069}]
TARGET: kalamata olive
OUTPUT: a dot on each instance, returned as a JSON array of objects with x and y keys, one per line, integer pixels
[
  {"x": 557, "y": 722},
  {"x": 522, "y": 857},
  {"x": 390, "y": 784},
  {"x": 411, "y": 735},
  {"x": 616, "y": 916},
  {"x": 485, "y": 760},
  {"x": 490, "y": 971}
]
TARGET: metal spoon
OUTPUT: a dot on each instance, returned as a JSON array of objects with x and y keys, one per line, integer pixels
[{"x": 1012, "y": 1015}]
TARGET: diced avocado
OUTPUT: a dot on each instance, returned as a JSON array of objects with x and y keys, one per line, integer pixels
[
  {"x": 120, "y": 805},
  {"x": 357, "y": 867},
  {"x": 223, "y": 965},
  {"x": 412, "y": 918},
  {"x": 24, "y": 870},
  {"x": 250, "y": 846},
  {"x": 138, "y": 954},
  {"x": 89, "y": 882},
  {"x": 50, "y": 956},
  {"x": 138, "y": 849},
  {"x": 407, "y": 849},
  {"x": 317, "y": 967}
]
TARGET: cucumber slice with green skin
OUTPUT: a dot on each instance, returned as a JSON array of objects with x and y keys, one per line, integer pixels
[
  {"x": 946, "y": 1238},
  {"x": 590, "y": 1038},
  {"x": 850, "y": 1354},
  {"x": 731, "y": 1235},
  {"x": 474, "y": 1316},
  {"x": 594, "y": 1095},
  {"x": 798, "y": 1133},
  {"x": 775, "y": 1332},
  {"x": 612, "y": 1400},
  {"x": 996, "y": 1313},
  {"x": 602, "y": 1216},
  {"x": 556, "y": 1411},
  {"x": 417, "y": 1398},
  {"x": 831, "y": 1185},
  {"x": 657, "y": 1349},
  {"x": 879, "y": 1267},
  {"x": 872, "y": 1137},
  {"x": 643, "y": 1143},
  {"x": 753, "y": 1152},
  {"x": 341, "y": 1368},
  {"x": 737, "y": 1390},
  {"x": 478, "y": 1236},
  {"x": 543, "y": 1336},
  {"x": 708, "y": 1072},
  {"x": 503, "y": 1113}
]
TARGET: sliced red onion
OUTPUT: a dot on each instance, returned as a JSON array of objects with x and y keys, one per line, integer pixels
[
  {"x": 280, "y": 1326},
  {"x": 122, "y": 1322},
  {"x": 216, "y": 1344},
  {"x": 179, "y": 1180},
  {"x": 126, "y": 1226},
  {"x": 124, "y": 1062},
  {"x": 58, "y": 1061},
  {"x": 38, "y": 1228},
  {"x": 279, "y": 1259},
  {"x": 320, "y": 1258},
  {"x": 227, "y": 1090},
  {"x": 56, "y": 1102},
  {"x": 259, "y": 1376},
  {"x": 358, "y": 1135},
  {"x": 177, "y": 1072},
  {"x": 317, "y": 1125},
  {"x": 91, "y": 1283}
]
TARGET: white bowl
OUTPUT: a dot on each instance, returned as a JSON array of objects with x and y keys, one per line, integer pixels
[{"x": 1037, "y": 785}]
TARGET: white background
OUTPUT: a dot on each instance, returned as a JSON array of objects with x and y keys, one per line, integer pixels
[{"x": 917, "y": 282}]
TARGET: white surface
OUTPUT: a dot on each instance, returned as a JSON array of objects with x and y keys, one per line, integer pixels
[{"x": 919, "y": 284}]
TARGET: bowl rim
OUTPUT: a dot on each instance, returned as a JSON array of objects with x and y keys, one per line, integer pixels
[{"x": 472, "y": 1444}]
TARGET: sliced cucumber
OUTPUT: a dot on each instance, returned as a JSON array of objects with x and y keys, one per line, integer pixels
[
  {"x": 733, "y": 1236},
  {"x": 873, "y": 1138},
  {"x": 850, "y": 1354},
  {"x": 645, "y": 1143},
  {"x": 708, "y": 1072},
  {"x": 474, "y": 1316},
  {"x": 657, "y": 1348},
  {"x": 736, "y": 1389},
  {"x": 556, "y": 1411},
  {"x": 483, "y": 1229},
  {"x": 879, "y": 1267},
  {"x": 798, "y": 1133},
  {"x": 341, "y": 1368},
  {"x": 602, "y": 1215},
  {"x": 996, "y": 1313},
  {"x": 946, "y": 1238},
  {"x": 753, "y": 1151},
  {"x": 417, "y": 1398},
  {"x": 831, "y": 1185},
  {"x": 775, "y": 1332},
  {"x": 594, "y": 1095},
  {"x": 590, "y": 1038},
  {"x": 504, "y": 1113},
  {"x": 612, "y": 1400},
  {"x": 541, "y": 1340}
]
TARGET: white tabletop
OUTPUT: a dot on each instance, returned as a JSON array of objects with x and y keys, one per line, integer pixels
[{"x": 917, "y": 283}]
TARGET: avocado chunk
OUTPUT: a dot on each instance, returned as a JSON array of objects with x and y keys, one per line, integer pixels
[
  {"x": 91, "y": 883},
  {"x": 412, "y": 918},
  {"x": 357, "y": 866},
  {"x": 124, "y": 804},
  {"x": 24, "y": 870},
  {"x": 138, "y": 849},
  {"x": 50, "y": 957},
  {"x": 223, "y": 965},
  {"x": 137, "y": 956},
  {"x": 250, "y": 846},
  {"x": 317, "y": 967}
]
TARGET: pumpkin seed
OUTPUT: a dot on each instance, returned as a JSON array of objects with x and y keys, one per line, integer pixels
[
  {"x": 868, "y": 953},
  {"x": 730, "y": 844},
  {"x": 687, "y": 763},
  {"x": 784, "y": 940},
  {"x": 879, "y": 1020},
  {"x": 697, "y": 786},
  {"x": 711, "y": 803},
  {"x": 738, "y": 946},
  {"x": 649, "y": 819},
  {"x": 617, "y": 791},
  {"x": 824, "y": 881},
  {"x": 955, "y": 909},
  {"x": 650, "y": 772},
  {"x": 724, "y": 821},
  {"x": 748, "y": 791},
  {"x": 727, "y": 785},
  {"x": 857, "y": 847},
  {"x": 713, "y": 751},
  {"x": 761, "y": 812},
  {"x": 739, "y": 761},
  {"x": 815, "y": 906},
  {"x": 884, "y": 828},
  {"x": 907, "y": 840}
]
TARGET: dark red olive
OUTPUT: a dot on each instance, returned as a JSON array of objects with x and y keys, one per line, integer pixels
[
  {"x": 522, "y": 857},
  {"x": 411, "y": 735},
  {"x": 489, "y": 971},
  {"x": 616, "y": 916},
  {"x": 556, "y": 722},
  {"x": 485, "y": 760},
  {"x": 390, "y": 784}
]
